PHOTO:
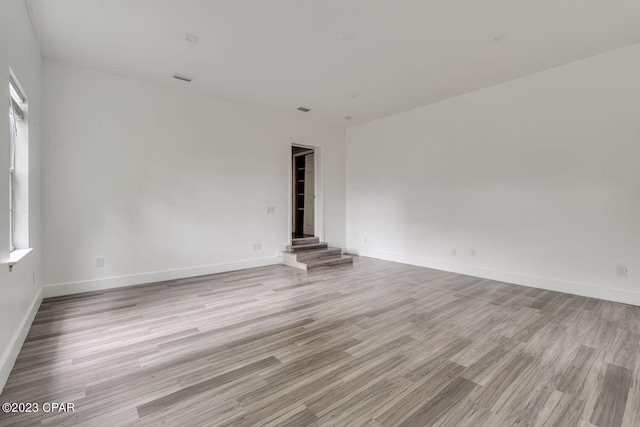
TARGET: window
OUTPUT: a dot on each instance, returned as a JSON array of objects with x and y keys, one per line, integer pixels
[{"x": 18, "y": 169}]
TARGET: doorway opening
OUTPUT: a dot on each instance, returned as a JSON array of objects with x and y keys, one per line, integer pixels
[{"x": 303, "y": 192}]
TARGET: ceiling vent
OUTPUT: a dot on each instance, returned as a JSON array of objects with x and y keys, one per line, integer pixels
[
  {"x": 191, "y": 38},
  {"x": 182, "y": 77},
  {"x": 304, "y": 109}
]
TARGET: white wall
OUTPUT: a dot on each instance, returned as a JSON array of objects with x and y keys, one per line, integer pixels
[
  {"x": 540, "y": 175},
  {"x": 19, "y": 295},
  {"x": 166, "y": 183}
]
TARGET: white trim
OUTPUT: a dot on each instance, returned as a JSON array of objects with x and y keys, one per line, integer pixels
[
  {"x": 575, "y": 288},
  {"x": 13, "y": 349},
  {"x": 319, "y": 225},
  {"x": 60, "y": 289},
  {"x": 16, "y": 84},
  {"x": 16, "y": 255}
]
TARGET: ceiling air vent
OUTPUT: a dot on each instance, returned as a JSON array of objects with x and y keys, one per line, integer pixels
[
  {"x": 304, "y": 109},
  {"x": 182, "y": 77}
]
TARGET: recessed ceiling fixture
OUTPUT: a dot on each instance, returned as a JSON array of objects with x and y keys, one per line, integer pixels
[
  {"x": 182, "y": 77},
  {"x": 191, "y": 38},
  {"x": 498, "y": 38},
  {"x": 304, "y": 109},
  {"x": 344, "y": 38},
  {"x": 347, "y": 117}
]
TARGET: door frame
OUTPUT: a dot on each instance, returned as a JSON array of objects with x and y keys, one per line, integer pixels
[{"x": 318, "y": 208}]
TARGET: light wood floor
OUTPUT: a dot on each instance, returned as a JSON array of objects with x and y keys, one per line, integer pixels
[{"x": 373, "y": 344}]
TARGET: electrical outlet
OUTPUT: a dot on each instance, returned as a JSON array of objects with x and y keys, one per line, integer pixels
[
  {"x": 100, "y": 262},
  {"x": 621, "y": 270},
  {"x": 454, "y": 252},
  {"x": 257, "y": 247},
  {"x": 472, "y": 252},
  {"x": 271, "y": 209}
]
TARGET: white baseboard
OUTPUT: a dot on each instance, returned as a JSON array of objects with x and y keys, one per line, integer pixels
[
  {"x": 60, "y": 289},
  {"x": 11, "y": 353},
  {"x": 575, "y": 288}
]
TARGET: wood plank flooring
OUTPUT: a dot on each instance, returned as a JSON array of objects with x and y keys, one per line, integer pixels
[{"x": 373, "y": 344}]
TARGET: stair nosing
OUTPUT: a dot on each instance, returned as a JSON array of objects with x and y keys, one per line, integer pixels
[{"x": 328, "y": 248}]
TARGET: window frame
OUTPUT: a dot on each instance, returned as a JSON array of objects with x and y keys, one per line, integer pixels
[{"x": 17, "y": 101}]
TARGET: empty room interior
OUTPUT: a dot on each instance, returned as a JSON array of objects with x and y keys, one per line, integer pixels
[{"x": 320, "y": 213}]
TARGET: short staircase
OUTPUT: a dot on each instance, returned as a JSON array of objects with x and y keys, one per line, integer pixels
[{"x": 309, "y": 253}]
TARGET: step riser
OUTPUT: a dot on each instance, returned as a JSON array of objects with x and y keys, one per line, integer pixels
[
  {"x": 305, "y": 241},
  {"x": 331, "y": 253},
  {"x": 291, "y": 248},
  {"x": 333, "y": 262},
  {"x": 290, "y": 260}
]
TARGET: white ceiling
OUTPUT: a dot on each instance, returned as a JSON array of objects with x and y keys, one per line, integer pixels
[{"x": 288, "y": 53}]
